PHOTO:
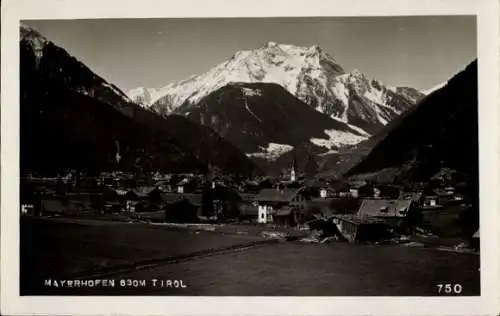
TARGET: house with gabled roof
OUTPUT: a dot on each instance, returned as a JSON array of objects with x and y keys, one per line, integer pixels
[
  {"x": 359, "y": 229},
  {"x": 374, "y": 220},
  {"x": 182, "y": 211},
  {"x": 164, "y": 186},
  {"x": 186, "y": 185},
  {"x": 136, "y": 195},
  {"x": 288, "y": 202},
  {"x": 416, "y": 198},
  {"x": 153, "y": 193}
]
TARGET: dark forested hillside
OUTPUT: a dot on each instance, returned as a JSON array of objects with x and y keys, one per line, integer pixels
[
  {"x": 442, "y": 132},
  {"x": 72, "y": 118}
]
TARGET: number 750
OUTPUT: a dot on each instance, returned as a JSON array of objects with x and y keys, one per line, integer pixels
[{"x": 448, "y": 288}]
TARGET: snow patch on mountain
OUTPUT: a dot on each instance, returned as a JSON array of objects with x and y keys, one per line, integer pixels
[
  {"x": 272, "y": 151},
  {"x": 337, "y": 139},
  {"x": 331, "y": 151},
  {"x": 341, "y": 91},
  {"x": 251, "y": 92}
]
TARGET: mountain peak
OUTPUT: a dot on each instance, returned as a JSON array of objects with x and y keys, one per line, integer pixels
[
  {"x": 31, "y": 35},
  {"x": 357, "y": 73},
  {"x": 291, "y": 49},
  {"x": 28, "y": 30},
  {"x": 271, "y": 44},
  {"x": 87, "y": 83},
  {"x": 34, "y": 39}
]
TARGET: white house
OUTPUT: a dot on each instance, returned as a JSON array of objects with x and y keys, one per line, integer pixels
[
  {"x": 271, "y": 201},
  {"x": 354, "y": 192},
  {"x": 265, "y": 214},
  {"x": 27, "y": 208},
  {"x": 323, "y": 193},
  {"x": 430, "y": 201}
]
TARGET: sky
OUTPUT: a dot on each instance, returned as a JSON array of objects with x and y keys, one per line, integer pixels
[{"x": 417, "y": 51}]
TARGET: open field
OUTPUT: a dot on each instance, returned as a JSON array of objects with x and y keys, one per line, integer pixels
[
  {"x": 66, "y": 249},
  {"x": 320, "y": 270}
]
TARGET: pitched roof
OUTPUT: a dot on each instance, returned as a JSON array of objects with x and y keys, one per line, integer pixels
[
  {"x": 355, "y": 219},
  {"x": 138, "y": 193},
  {"x": 121, "y": 192},
  {"x": 170, "y": 197},
  {"x": 384, "y": 208},
  {"x": 357, "y": 183},
  {"x": 146, "y": 189},
  {"x": 162, "y": 182},
  {"x": 274, "y": 195},
  {"x": 193, "y": 198},
  {"x": 284, "y": 211},
  {"x": 224, "y": 192},
  {"x": 265, "y": 180},
  {"x": 441, "y": 192},
  {"x": 317, "y": 183},
  {"x": 247, "y": 196},
  {"x": 185, "y": 181},
  {"x": 250, "y": 183},
  {"x": 416, "y": 197}
]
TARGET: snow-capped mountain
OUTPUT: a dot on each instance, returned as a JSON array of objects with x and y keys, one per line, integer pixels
[
  {"x": 143, "y": 96},
  {"x": 309, "y": 73}
]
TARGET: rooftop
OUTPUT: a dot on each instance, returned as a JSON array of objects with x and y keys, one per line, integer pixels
[
  {"x": 384, "y": 208},
  {"x": 275, "y": 195},
  {"x": 355, "y": 219}
]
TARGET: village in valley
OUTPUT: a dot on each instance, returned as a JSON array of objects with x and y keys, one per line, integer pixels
[
  {"x": 295, "y": 206},
  {"x": 277, "y": 171}
]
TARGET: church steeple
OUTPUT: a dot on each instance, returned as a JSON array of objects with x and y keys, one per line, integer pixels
[{"x": 293, "y": 171}]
